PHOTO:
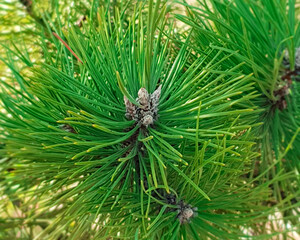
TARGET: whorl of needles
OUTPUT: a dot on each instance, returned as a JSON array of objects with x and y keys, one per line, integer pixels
[{"x": 147, "y": 112}]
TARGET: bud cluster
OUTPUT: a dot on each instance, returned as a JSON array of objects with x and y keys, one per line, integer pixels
[
  {"x": 147, "y": 111},
  {"x": 185, "y": 211}
]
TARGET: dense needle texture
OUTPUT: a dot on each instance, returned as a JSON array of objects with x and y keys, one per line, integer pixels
[
  {"x": 263, "y": 36},
  {"x": 129, "y": 128}
]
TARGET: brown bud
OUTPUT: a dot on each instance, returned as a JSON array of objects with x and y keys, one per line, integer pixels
[
  {"x": 143, "y": 97},
  {"x": 155, "y": 96},
  {"x": 130, "y": 108},
  {"x": 147, "y": 120}
]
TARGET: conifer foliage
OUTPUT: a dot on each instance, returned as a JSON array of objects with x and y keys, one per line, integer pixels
[
  {"x": 266, "y": 37},
  {"x": 128, "y": 127}
]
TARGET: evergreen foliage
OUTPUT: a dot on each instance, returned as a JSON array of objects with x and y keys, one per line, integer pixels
[
  {"x": 266, "y": 37},
  {"x": 122, "y": 126}
]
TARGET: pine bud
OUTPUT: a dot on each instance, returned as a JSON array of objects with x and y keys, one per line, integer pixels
[
  {"x": 147, "y": 120},
  {"x": 130, "y": 109},
  {"x": 146, "y": 113},
  {"x": 143, "y": 98},
  {"x": 286, "y": 59},
  {"x": 186, "y": 212},
  {"x": 155, "y": 96},
  {"x": 297, "y": 58}
]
